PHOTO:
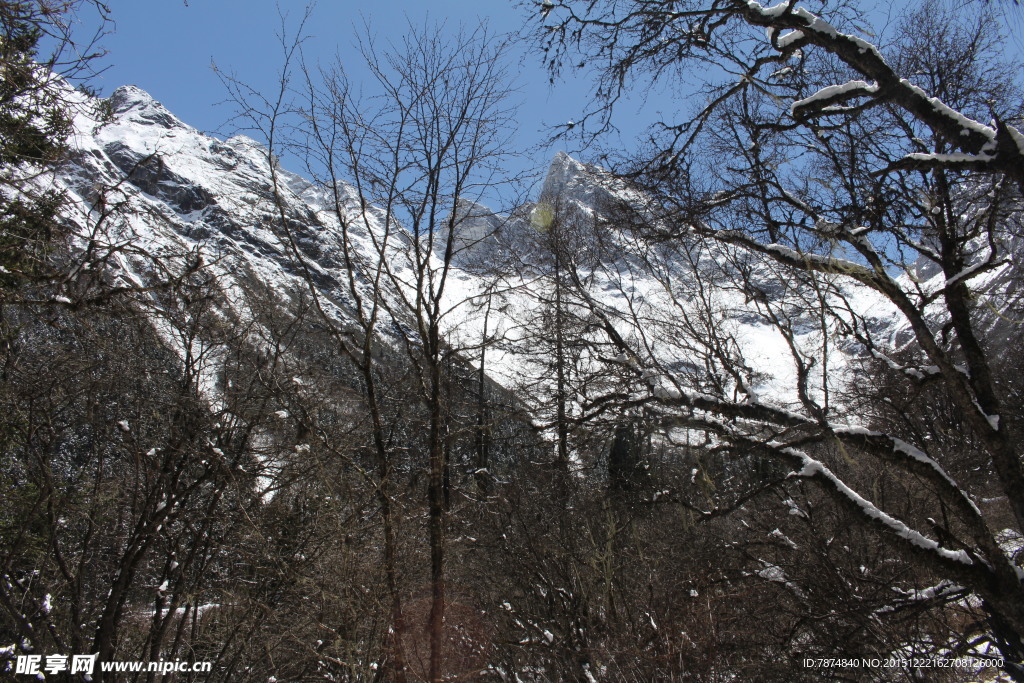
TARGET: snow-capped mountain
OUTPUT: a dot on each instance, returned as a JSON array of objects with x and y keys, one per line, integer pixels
[{"x": 178, "y": 190}]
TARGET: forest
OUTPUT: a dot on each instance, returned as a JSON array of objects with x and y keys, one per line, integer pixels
[{"x": 343, "y": 398}]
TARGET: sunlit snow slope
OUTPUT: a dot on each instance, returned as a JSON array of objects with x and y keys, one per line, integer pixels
[{"x": 179, "y": 190}]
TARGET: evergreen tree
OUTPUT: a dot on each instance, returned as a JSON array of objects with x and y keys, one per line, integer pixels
[{"x": 36, "y": 108}]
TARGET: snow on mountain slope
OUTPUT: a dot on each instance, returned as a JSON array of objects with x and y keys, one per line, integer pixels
[
  {"x": 692, "y": 307},
  {"x": 181, "y": 191}
]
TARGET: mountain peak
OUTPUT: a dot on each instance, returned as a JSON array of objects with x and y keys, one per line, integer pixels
[
  {"x": 135, "y": 103},
  {"x": 571, "y": 180}
]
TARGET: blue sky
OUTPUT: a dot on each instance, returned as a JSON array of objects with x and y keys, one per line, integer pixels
[{"x": 168, "y": 48}]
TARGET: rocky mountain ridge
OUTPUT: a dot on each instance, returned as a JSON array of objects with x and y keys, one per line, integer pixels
[{"x": 179, "y": 190}]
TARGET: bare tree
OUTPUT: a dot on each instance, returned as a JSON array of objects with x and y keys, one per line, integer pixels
[
  {"x": 820, "y": 167},
  {"x": 394, "y": 169}
]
